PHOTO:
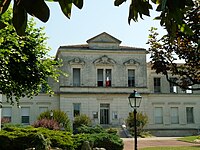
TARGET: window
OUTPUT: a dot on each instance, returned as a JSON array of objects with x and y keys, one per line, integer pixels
[
  {"x": 100, "y": 77},
  {"x": 6, "y": 114},
  {"x": 174, "y": 115},
  {"x": 25, "y": 115},
  {"x": 158, "y": 113},
  {"x": 42, "y": 109},
  {"x": 77, "y": 109},
  {"x": 188, "y": 91},
  {"x": 173, "y": 87},
  {"x": 76, "y": 77},
  {"x": 131, "y": 77},
  {"x": 189, "y": 115},
  {"x": 157, "y": 88},
  {"x": 104, "y": 77},
  {"x": 95, "y": 115}
]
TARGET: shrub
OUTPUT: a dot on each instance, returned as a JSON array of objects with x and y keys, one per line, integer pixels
[
  {"x": 141, "y": 121},
  {"x": 39, "y": 138},
  {"x": 46, "y": 123},
  {"x": 59, "y": 116},
  {"x": 101, "y": 140},
  {"x": 107, "y": 141},
  {"x": 96, "y": 129},
  {"x": 22, "y": 138},
  {"x": 81, "y": 120},
  {"x": 91, "y": 130}
]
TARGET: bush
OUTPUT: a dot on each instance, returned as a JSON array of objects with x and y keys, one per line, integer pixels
[
  {"x": 46, "y": 123},
  {"x": 142, "y": 120},
  {"x": 39, "y": 138},
  {"x": 59, "y": 116},
  {"x": 42, "y": 139},
  {"x": 22, "y": 138},
  {"x": 96, "y": 129},
  {"x": 101, "y": 140},
  {"x": 90, "y": 130},
  {"x": 107, "y": 141},
  {"x": 81, "y": 120}
]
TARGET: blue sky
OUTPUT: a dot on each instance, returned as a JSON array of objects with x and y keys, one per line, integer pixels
[{"x": 95, "y": 17}]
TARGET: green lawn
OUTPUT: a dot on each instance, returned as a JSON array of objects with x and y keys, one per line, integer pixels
[
  {"x": 171, "y": 148},
  {"x": 189, "y": 138}
]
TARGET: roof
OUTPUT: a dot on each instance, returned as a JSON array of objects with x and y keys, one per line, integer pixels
[{"x": 104, "y": 38}]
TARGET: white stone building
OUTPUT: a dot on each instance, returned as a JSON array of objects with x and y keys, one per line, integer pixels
[{"x": 102, "y": 74}]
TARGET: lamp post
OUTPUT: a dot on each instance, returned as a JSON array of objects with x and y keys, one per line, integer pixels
[{"x": 134, "y": 101}]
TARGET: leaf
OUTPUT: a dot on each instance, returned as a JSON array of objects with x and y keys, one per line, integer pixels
[
  {"x": 156, "y": 1},
  {"x": 163, "y": 4},
  {"x": 185, "y": 29},
  {"x": 4, "y": 4},
  {"x": 119, "y": 2},
  {"x": 78, "y": 3},
  {"x": 2, "y": 25},
  {"x": 66, "y": 6},
  {"x": 19, "y": 18},
  {"x": 37, "y": 8}
]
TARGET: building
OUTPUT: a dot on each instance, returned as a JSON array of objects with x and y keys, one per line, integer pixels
[{"x": 102, "y": 74}]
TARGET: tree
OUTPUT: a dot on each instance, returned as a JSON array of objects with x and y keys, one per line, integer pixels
[
  {"x": 141, "y": 121},
  {"x": 24, "y": 67},
  {"x": 184, "y": 46},
  {"x": 171, "y": 11}
]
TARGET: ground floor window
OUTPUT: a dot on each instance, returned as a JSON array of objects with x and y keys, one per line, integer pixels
[
  {"x": 6, "y": 114},
  {"x": 190, "y": 114},
  {"x": 76, "y": 109},
  {"x": 25, "y": 115},
  {"x": 174, "y": 115},
  {"x": 158, "y": 114}
]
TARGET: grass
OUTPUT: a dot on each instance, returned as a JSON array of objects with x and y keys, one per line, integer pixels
[
  {"x": 172, "y": 148},
  {"x": 189, "y": 139}
]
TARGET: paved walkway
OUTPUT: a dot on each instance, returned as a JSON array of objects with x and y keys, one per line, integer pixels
[{"x": 155, "y": 142}]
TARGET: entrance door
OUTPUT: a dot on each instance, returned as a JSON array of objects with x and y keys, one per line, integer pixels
[{"x": 104, "y": 113}]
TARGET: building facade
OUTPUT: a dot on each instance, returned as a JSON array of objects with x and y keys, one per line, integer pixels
[{"x": 101, "y": 75}]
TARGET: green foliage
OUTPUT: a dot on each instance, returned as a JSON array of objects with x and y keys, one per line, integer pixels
[
  {"x": 36, "y": 8},
  {"x": 107, "y": 141},
  {"x": 90, "y": 129},
  {"x": 81, "y": 120},
  {"x": 165, "y": 51},
  {"x": 58, "y": 116},
  {"x": 42, "y": 138},
  {"x": 101, "y": 140},
  {"x": 39, "y": 138},
  {"x": 22, "y": 138},
  {"x": 24, "y": 65},
  {"x": 171, "y": 12},
  {"x": 141, "y": 121},
  {"x": 96, "y": 129}
]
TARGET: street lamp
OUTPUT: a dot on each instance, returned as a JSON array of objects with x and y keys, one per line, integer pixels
[{"x": 134, "y": 101}]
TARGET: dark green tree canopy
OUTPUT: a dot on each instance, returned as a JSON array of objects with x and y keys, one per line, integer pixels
[
  {"x": 171, "y": 11},
  {"x": 24, "y": 65},
  {"x": 184, "y": 46}
]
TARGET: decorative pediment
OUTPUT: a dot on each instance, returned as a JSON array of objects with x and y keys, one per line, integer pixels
[
  {"x": 131, "y": 62},
  {"x": 76, "y": 61},
  {"x": 104, "y": 60},
  {"x": 103, "y": 41}
]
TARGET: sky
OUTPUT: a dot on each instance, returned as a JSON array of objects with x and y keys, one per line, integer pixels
[{"x": 95, "y": 17}]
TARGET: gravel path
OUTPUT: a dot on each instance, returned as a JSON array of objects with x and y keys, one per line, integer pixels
[{"x": 155, "y": 142}]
